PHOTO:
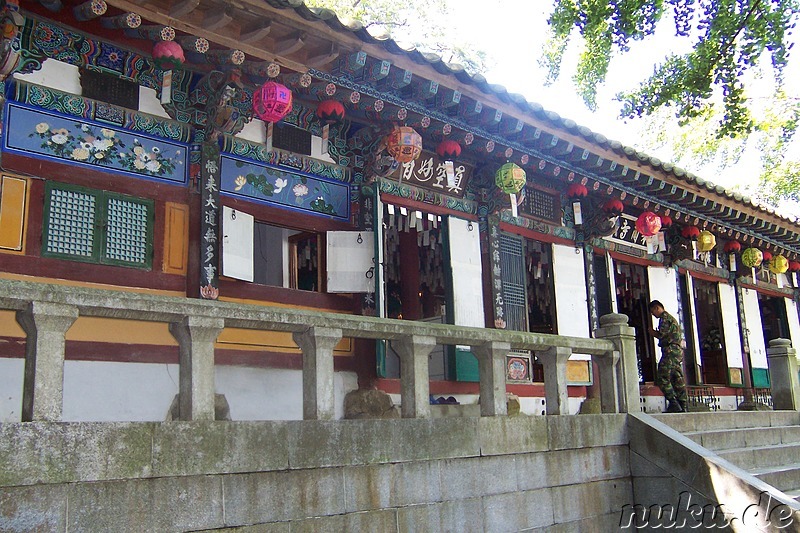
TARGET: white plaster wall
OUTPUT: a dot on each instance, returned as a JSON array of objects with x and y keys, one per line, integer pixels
[
  {"x": 755, "y": 331},
  {"x": 149, "y": 103},
  {"x": 730, "y": 325},
  {"x": 794, "y": 324},
  {"x": 663, "y": 286},
  {"x": 273, "y": 394},
  {"x": 106, "y": 391},
  {"x": 255, "y": 131},
  {"x": 56, "y": 75},
  {"x": 569, "y": 280},
  {"x": 11, "y": 373}
]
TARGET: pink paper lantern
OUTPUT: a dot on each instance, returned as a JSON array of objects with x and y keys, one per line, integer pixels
[
  {"x": 272, "y": 101},
  {"x": 168, "y": 55}
]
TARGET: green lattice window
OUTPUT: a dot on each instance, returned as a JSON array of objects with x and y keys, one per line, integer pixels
[{"x": 97, "y": 226}]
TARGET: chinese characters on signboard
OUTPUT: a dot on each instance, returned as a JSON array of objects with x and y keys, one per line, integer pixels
[
  {"x": 626, "y": 233},
  {"x": 429, "y": 171},
  {"x": 209, "y": 226},
  {"x": 496, "y": 273}
]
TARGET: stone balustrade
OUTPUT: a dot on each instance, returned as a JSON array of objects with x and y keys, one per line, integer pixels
[{"x": 46, "y": 312}]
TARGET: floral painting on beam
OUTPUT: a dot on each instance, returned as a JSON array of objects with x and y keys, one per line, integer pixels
[
  {"x": 39, "y": 133},
  {"x": 287, "y": 187}
]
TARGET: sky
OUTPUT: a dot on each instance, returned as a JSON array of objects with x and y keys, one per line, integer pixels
[{"x": 516, "y": 42}]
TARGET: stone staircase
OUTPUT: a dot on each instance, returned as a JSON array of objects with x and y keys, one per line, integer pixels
[{"x": 764, "y": 443}]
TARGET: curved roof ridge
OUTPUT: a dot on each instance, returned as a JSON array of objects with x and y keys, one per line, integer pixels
[{"x": 461, "y": 75}]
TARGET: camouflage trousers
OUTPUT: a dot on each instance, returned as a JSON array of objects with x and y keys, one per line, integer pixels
[{"x": 670, "y": 374}]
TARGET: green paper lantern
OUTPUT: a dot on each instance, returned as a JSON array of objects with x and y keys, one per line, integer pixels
[
  {"x": 778, "y": 265},
  {"x": 510, "y": 178},
  {"x": 706, "y": 241},
  {"x": 752, "y": 257}
]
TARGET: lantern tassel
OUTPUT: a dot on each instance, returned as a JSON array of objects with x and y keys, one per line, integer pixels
[
  {"x": 268, "y": 141},
  {"x": 513, "y": 198},
  {"x": 733, "y": 263},
  {"x": 325, "y": 129},
  {"x": 166, "y": 87},
  {"x": 755, "y": 279},
  {"x": 450, "y": 171}
]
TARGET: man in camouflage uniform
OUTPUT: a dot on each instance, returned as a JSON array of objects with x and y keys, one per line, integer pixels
[{"x": 670, "y": 368}]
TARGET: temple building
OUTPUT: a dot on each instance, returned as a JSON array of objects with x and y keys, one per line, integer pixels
[{"x": 269, "y": 154}]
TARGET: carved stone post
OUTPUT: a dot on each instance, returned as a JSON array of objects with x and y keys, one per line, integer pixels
[
  {"x": 614, "y": 327},
  {"x": 45, "y": 325},
  {"x": 782, "y": 361},
  {"x": 196, "y": 337},
  {"x": 492, "y": 366},
  {"x": 607, "y": 365},
  {"x": 554, "y": 361},
  {"x": 317, "y": 344},
  {"x": 414, "y": 351}
]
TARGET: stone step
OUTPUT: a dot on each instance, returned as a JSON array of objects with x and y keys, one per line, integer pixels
[
  {"x": 772, "y": 455},
  {"x": 750, "y": 437},
  {"x": 785, "y": 478},
  {"x": 719, "y": 420}
]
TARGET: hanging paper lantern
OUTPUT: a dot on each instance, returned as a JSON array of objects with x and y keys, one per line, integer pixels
[
  {"x": 577, "y": 190},
  {"x": 404, "y": 144},
  {"x": 168, "y": 55},
  {"x": 779, "y": 264},
  {"x": 767, "y": 256},
  {"x": 794, "y": 266},
  {"x": 613, "y": 207},
  {"x": 448, "y": 149},
  {"x": 330, "y": 111},
  {"x": 690, "y": 232},
  {"x": 272, "y": 101},
  {"x": 732, "y": 247},
  {"x": 706, "y": 241},
  {"x": 752, "y": 257},
  {"x": 510, "y": 178},
  {"x": 665, "y": 221},
  {"x": 648, "y": 224}
]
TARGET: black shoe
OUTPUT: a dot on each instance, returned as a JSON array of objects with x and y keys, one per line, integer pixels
[
  {"x": 674, "y": 407},
  {"x": 684, "y": 405}
]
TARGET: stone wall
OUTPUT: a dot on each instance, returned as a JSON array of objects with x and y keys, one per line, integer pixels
[{"x": 448, "y": 474}]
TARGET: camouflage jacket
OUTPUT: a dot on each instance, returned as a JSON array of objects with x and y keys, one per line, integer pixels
[{"x": 669, "y": 331}]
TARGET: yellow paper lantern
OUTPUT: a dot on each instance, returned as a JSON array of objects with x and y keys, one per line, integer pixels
[
  {"x": 778, "y": 265},
  {"x": 752, "y": 257},
  {"x": 706, "y": 241}
]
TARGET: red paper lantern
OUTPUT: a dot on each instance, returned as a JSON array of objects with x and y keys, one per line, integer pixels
[
  {"x": 665, "y": 221},
  {"x": 404, "y": 144},
  {"x": 168, "y": 55},
  {"x": 767, "y": 256},
  {"x": 732, "y": 247},
  {"x": 576, "y": 190},
  {"x": 272, "y": 101},
  {"x": 613, "y": 207},
  {"x": 448, "y": 149},
  {"x": 794, "y": 266},
  {"x": 690, "y": 232},
  {"x": 648, "y": 223},
  {"x": 330, "y": 111}
]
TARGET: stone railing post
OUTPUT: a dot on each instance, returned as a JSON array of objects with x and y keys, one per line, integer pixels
[
  {"x": 317, "y": 344},
  {"x": 414, "y": 351},
  {"x": 554, "y": 361},
  {"x": 492, "y": 367},
  {"x": 607, "y": 366},
  {"x": 196, "y": 389},
  {"x": 45, "y": 325},
  {"x": 782, "y": 362},
  {"x": 614, "y": 327}
]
